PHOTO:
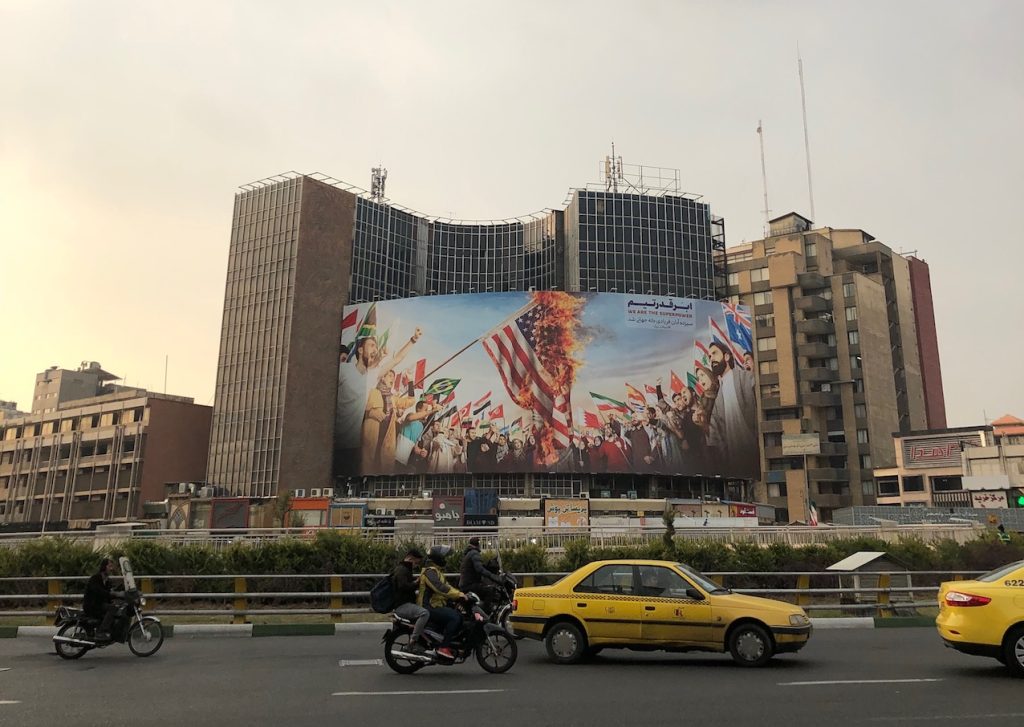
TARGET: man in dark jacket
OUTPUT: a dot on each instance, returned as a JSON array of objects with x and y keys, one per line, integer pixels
[
  {"x": 406, "y": 590},
  {"x": 98, "y": 600},
  {"x": 473, "y": 576}
]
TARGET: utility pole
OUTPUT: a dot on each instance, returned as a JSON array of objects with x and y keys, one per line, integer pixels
[{"x": 807, "y": 143}]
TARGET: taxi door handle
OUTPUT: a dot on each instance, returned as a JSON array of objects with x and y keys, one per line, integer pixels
[
  {"x": 581, "y": 605},
  {"x": 648, "y": 608}
]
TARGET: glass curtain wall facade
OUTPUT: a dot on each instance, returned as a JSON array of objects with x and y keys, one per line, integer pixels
[{"x": 248, "y": 418}]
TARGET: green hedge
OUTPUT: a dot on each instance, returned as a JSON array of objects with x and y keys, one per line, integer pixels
[{"x": 332, "y": 552}]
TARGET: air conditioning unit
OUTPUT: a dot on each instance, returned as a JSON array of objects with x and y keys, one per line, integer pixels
[
  {"x": 315, "y": 492},
  {"x": 298, "y": 493},
  {"x": 207, "y": 491},
  {"x": 327, "y": 492},
  {"x": 584, "y": 495},
  {"x": 382, "y": 511},
  {"x": 183, "y": 488}
]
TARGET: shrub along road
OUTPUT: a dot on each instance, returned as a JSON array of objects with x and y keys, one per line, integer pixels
[{"x": 877, "y": 677}]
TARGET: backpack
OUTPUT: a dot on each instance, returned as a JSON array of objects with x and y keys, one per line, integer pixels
[{"x": 382, "y": 595}]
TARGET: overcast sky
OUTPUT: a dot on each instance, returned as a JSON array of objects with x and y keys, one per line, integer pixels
[{"x": 126, "y": 127}]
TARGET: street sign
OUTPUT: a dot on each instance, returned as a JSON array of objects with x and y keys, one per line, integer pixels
[{"x": 796, "y": 444}]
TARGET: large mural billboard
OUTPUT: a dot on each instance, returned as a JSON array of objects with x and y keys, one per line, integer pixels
[{"x": 546, "y": 382}]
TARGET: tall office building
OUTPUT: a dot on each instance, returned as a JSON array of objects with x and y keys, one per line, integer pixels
[
  {"x": 846, "y": 349},
  {"x": 302, "y": 247}
]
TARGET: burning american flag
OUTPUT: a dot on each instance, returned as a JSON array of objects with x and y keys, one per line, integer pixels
[{"x": 534, "y": 353}]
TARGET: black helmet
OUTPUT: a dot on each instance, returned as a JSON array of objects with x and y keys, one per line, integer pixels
[{"x": 439, "y": 554}]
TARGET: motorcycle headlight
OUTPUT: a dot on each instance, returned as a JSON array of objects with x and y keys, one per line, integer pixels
[
  {"x": 142, "y": 601},
  {"x": 799, "y": 619}
]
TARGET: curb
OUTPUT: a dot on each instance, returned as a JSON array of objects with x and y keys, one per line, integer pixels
[{"x": 326, "y": 629}]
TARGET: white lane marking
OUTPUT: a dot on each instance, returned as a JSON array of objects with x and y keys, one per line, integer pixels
[
  {"x": 856, "y": 681},
  {"x": 8, "y": 701},
  {"x": 5, "y": 668},
  {"x": 411, "y": 693},
  {"x": 947, "y": 716},
  {"x": 361, "y": 662}
]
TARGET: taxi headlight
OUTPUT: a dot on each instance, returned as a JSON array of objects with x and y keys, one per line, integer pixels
[{"x": 799, "y": 619}]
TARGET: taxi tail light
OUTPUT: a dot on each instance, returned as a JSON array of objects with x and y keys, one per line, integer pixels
[
  {"x": 960, "y": 599},
  {"x": 515, "y": 604}
]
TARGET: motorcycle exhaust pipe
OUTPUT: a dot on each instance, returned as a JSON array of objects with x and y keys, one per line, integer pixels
[
  {"x": 423, "y": 658},
  {"x": 72, "y": 642}
]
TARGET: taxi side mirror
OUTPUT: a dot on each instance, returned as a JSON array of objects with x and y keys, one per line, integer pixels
[{"x": 694, "y": 594}]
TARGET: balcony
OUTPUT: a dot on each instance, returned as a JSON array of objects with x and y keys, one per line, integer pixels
[
  {"x": 775, "y": 476},
  {"x": 815, "y": 350},
  {"x": 821, "y": 398},
  {"x": 813, "y": 304},
  {"x": 828, "y": 474},
  {"x": 812, "y": 281},
  {"x": 774, "y": 452},
  {"x": 816, "y": 327},
  {"x": 819, "y": 373},
  {"x": 771, "y": 426},
  {"x": 833, "y": 449}
]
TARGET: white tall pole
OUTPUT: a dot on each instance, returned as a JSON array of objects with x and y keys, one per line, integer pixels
[
  {"x": 764, "y": 177},
  {"x": 807, "y": 143}
]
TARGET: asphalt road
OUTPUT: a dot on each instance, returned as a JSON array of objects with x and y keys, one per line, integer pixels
[{"x": 865, "y": 677}]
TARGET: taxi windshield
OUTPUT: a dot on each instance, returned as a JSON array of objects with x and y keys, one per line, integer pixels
[
  {"x": 701, "y": 580},
  {"x": 1000, "y": 572}
]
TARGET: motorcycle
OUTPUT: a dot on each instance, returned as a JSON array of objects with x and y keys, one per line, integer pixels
[
  {"x": 493, "y": 646},
  {"x": 503, "y": 594},
  {"x": 76, "y": 633}
]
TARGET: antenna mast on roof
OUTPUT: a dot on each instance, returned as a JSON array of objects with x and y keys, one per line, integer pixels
[
  {"x": 807, "y": 143},
  {"x": 378, "y": 176},
  {"x": 764, "y": 178},
  {"x": 612, "y": 171}
]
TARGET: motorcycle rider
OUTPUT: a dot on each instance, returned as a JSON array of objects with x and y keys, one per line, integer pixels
[
  {"x": 474, "y": 576},
  {"x": 435, "y": 594},
  {"x": 406, "y": 591},
  {"x": 99, "y": 597}
]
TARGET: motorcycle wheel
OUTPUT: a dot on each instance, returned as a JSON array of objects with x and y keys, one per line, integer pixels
[
  {"x": 145, "y": 637},
  {"x": 497, "y": 653},
  {"x": 72, "y": 631},
  {"x": 400, "y": 640}
]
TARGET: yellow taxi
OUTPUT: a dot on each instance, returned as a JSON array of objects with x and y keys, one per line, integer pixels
[
  {"x": 985, "y": 617},
  {"x": 652, "y": 605}
]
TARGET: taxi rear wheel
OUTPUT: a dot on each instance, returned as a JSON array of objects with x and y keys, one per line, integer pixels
[
  {"x": 1013, "y": 651},
  {"x": 566, "y": 643},
  {"x": 750, "y": 645}
]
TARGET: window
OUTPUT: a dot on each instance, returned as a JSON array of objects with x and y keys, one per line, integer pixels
[
  {"x": 768, "y": 367},
  {"x": 867, "y": 487},
  {"x": 758, "y": 275},
  {"x": 616, "y": 579},
  {"x": 947, "y": 484},
  {"x": 830, "y": 339},
  {"x": 860, "y": 411},
  {"x": 810, "y": 249},
  {"x": 913, "y": 483},
  {"x": 826, "y": 294},
  {"x": 848, "y": 289},
  {"x": 770, "y": 390},
  {"x": 776, "y": 489},
  {"x": 833, "y": 364},
  {"x": 659, "y": 582},
  {"x": 865, "y": 461},
  {"x": 853, "y": 337},
  {"x": 765, "y": 320},
  {"x": 858, "y": 386},
  {"x": 763, "y": 297},
  {"x": 773, "y": 439},
  {"x": 854, "y": 362},
  {"x": 766, "y": 344},
  {"x": 733, "y": 279},
  {"x": 888, "y": 486},
  {"x": 862, "y": 436},
  {"x": 851, "y": 312}
]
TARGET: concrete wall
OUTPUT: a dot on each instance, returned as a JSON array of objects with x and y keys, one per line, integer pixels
[
  {"x": 176, "y": 447},
  {"x": 927, "y": 343},
  {"x": 876, "y": 362},
  {"x": 908, "y": 341}
]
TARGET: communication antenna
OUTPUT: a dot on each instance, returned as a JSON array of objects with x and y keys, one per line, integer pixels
[
  {"x": 612, "y": 171},
  {"x": 378, "y": 176},
  {"x": 764, "y": 178},
  {"x": 807, "y": 143}
]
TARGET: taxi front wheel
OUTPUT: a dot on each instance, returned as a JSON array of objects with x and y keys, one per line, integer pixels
[
  {"x": 750, "y": 645},
  {"x": 566, "y": 643},
  {"x": 1013, "y": 651}
]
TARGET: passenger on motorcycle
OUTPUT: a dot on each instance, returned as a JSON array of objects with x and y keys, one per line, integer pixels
[
  {"x": 474, "y": 576},
  {"x": 435, "y": 595},
  {"x": 406, "y": 592},
  {"x": 99, "y": 597}
]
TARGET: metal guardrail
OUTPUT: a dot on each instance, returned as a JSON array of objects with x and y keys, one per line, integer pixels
[
  {"x": 883, "y": 598},
  {"x": 513, "y": 535}
]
